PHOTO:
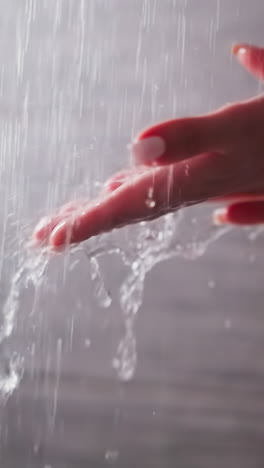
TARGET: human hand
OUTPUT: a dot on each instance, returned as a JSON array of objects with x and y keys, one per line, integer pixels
[{"x": 180, "y": 162}]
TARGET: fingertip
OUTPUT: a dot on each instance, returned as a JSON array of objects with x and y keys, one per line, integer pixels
[
  {"x": 61, "y": 235},
  {"x": 250, "y": 57},
  {"x": 242, "y": 54},
  {"x": 42, "y": 230},
  {"x": 240, "y": 49},
  {"x": 220, "y": 216},
  {"x": 247, "y": 213},
  {"x": 244, "y": 213},
  {"x": 147, "y": 150}
]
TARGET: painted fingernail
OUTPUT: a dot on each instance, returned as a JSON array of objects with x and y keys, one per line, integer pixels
[
  {"x": 42, "y": 229},
  {"x": 239, "y": 50},
  {"x": 61, "y": 234},
  {"x": 148, "y": 150},
  {"x": 42, "y": 223},
  {"x": 220, "y": 216}
]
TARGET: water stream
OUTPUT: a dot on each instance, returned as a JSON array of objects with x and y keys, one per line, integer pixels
[{"x": 150, "y": 244}]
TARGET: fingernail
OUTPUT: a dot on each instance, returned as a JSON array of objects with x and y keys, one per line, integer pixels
[
  {"x": 42, "y": 230},
  {"x": 61, "y": 234},
  {"x": 239, "y": 50},
  {"x": 42, "y": 223},
  {"x": 148, "y": 150},
  {"x": 220, "y": 216}
]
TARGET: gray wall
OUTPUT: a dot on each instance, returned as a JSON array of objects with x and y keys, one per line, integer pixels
[{"x": 77, "y": 80}]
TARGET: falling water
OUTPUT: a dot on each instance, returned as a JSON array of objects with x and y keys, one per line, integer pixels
[
  {"x": 70, "y": 81},
  {"x": 153, "y": 243}
]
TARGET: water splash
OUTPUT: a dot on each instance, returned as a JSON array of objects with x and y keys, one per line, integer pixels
[
  {"x": 11, "y": 371},
  {"x": 30, "y": 270},
  {"x": 103, "y": 297},
  {"x": 140, "y": 248},
  {"x": 156, "y": 242}
]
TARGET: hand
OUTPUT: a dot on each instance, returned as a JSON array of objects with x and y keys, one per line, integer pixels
[{"x": 180, "y": 162}]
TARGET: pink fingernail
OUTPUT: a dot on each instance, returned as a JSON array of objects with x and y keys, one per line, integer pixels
[
  {"x": 239, "y": 50},
  {"x": 148, "y": 149},
  {"x": 61, "y": 234},
  {"x": 42, "y": 230},
  {"x": 42, "y": 223},
  {"x": 220, "y": 216}
]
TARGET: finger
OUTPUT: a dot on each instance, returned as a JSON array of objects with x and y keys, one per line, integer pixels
[
  {"x": 127, "y": 204},
  {"x": 181, "y": 139},
  {"x": 121, "y": 177},
  {"x": 251, "y": 57},
  {"x": 68, "y": 214},
  {"x": 45, "y": 227},
  {"x": 244, "y": 213},
  {"x": 151, "y": 195},
  {"x": 73, "y": 206},
  {"x": 240, "y": 197}
]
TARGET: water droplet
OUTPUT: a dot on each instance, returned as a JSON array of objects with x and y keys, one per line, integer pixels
[
  {"x": 252, "y": 258},
  {"x": 228, "y": 324},
  {"x": 103, "y": 296},
  {"x": 150, "y": 203},
  {"x": 36, "y": 449},
  {"x": 111, "y": 456},
  {"x": 126, "y": 359}
]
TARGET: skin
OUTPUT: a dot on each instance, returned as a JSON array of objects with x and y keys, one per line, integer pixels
[{"x": 218, "y": 156}]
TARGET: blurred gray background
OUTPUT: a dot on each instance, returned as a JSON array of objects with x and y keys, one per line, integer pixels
[{"x": 78, "y": 78}]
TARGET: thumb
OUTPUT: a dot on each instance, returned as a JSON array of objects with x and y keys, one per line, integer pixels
[
  {"x": 251, "y": 57},
  {"x": 245, "y": 213},
  {"x": 180, "y": 139}
]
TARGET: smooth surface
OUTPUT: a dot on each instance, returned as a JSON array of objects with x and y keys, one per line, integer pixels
[{"x": 79, "y": 79}]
